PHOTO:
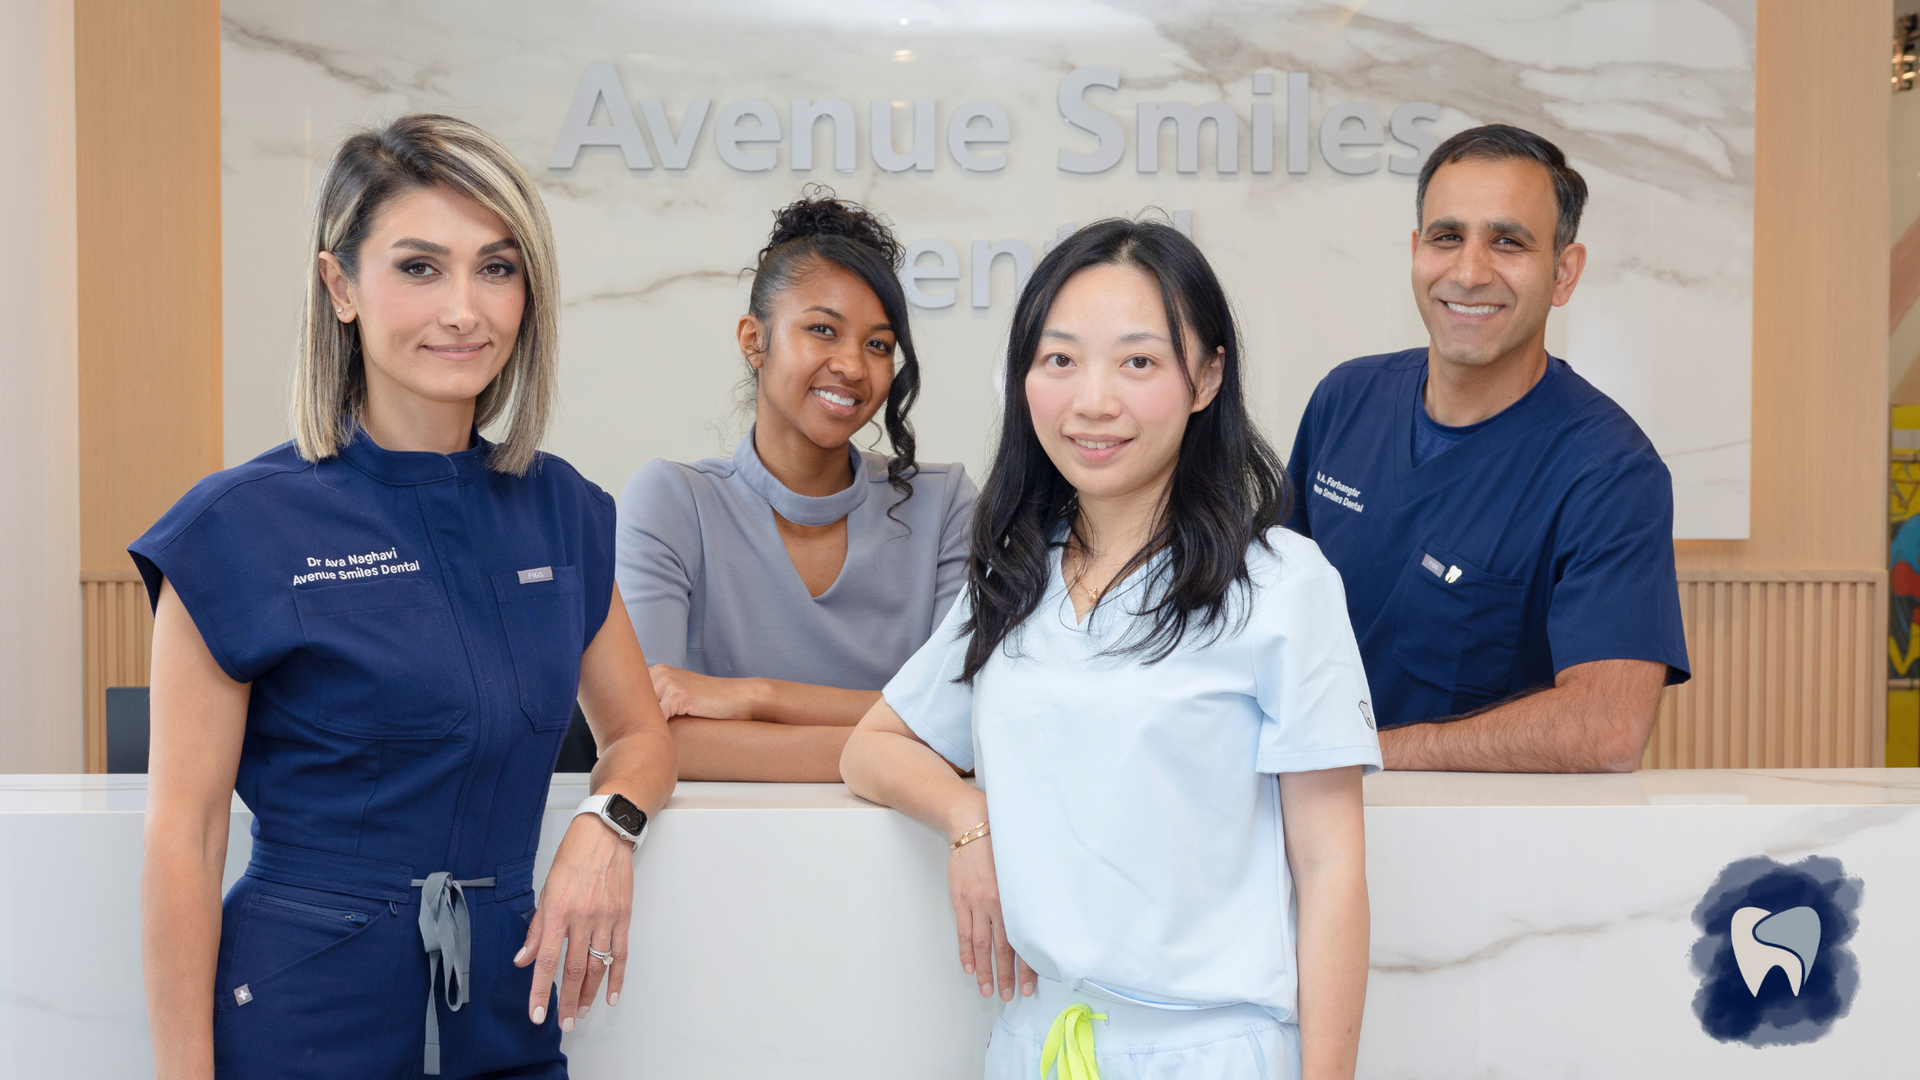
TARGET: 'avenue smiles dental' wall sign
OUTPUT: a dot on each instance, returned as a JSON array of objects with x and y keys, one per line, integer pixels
[{"x": 748, "y": 136}]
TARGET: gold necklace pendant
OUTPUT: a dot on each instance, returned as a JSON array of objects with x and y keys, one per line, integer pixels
[{"x": 1079, "y": 576}]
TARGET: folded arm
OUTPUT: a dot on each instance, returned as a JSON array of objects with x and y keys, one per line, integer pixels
[
  {"x": 757, "y": 750},
  {"x": 1595, "y": 718},
  {"x": 765, "y": 730},
  {"x": 686, "y": 693}
]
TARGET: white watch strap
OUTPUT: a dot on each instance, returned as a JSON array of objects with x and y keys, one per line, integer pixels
[{"x": 597, "y": 806}]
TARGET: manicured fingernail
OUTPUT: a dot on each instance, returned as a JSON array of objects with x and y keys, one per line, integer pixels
[
  {"x": 582, "y": 1014},
  {"x": 1027, "y": 990},
  {"x": 1007, "y": 994},
  {"x": 968, "y": 968},
  {"x": 521, "y": 956},
  {"x": 613, "y": 998},
  {"x": 566, "y": 1023},
  {"x": 540, "y": 1014},
  {"x": 985, "y": 990}
]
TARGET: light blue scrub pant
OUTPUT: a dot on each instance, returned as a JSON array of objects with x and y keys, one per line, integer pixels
[{"x": 1139, "y": 1042}]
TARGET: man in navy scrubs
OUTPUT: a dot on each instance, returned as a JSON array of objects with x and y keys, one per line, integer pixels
[{"x": 1504, "y": 530}]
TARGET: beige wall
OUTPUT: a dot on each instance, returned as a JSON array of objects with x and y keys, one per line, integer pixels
[{"x": 39, "y": 505}]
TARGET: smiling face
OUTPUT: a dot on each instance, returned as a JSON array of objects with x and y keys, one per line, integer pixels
[
  {"x": 1484, "y": 270},
  {"x": 824, "y": 358},
  {"x": 1106, "y": 394},
  {"x": 438, "y": 300}
]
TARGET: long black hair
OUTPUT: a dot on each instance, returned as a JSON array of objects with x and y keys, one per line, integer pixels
[
  {"x": 819, "y": 228},
  {"x": 1228, "y": 486}
]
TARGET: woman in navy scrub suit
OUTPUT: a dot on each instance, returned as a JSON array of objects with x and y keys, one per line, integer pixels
[
  {"x": 777, "y": 590},
  {"x": 375, "y": 634}
]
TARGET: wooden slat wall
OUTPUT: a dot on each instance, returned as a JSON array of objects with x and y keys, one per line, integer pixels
[
  {"x": 117, "y": 625},
  {"x": 1787, "y": 673}
]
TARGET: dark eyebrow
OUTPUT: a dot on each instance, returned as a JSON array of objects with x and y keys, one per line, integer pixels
[
  {"x": 431, "y": 248},
  {"x": 824, "y": 310},
  {"x": 1143, "y": 335},
  {"x": 1511, "y": 228},
  {"x": 1061, "y": 334},
  {"x": 421, "y": 245},
  {"x": 1500, "y": 226}
]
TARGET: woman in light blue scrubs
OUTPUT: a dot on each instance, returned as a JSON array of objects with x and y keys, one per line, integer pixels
[
  {"x": 777, "y": 590},
  {"x": 1162, "y": 696}
]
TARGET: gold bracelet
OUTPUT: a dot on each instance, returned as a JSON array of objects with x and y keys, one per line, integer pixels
[{"x": 969, "y": 836}]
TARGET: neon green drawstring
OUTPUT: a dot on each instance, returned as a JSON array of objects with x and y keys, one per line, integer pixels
[{"x": 1071, "y": 1039}]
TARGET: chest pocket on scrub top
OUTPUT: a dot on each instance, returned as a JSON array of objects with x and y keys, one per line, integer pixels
[
  {"x": 545, "y": 618},
  {"x": 389, "y": 665},
  {"x": 1456, "y": 634}
]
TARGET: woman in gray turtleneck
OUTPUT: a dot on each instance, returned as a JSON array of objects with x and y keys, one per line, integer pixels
[{"x": 775, "y": 592}]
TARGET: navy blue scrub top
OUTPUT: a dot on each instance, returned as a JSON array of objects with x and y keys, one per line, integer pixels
[
  {"x": 1542, "y": 540},
  {"x": 412, "y": 625}
]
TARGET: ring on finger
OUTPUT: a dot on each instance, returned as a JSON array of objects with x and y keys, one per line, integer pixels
[{"x": 605, "y": 958}]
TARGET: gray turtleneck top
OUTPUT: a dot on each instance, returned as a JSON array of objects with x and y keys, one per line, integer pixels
[{"x": 710, "y": 587}]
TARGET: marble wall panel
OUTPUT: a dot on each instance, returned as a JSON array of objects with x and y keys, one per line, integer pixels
[{"x": 1652, "y": 100}]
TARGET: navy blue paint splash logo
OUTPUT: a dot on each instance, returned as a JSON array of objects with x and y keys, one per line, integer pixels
[{"x": 1772, "y": 958}]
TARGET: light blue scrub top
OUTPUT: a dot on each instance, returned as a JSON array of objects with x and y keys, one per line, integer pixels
[
  {"x": 710, "y": 587},
  {"x": 1136, "y": 815}
]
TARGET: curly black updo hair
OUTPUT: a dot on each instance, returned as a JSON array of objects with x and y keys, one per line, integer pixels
[{"x": 819, "y": 227}]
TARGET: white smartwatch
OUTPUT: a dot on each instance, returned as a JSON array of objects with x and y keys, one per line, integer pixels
[{"x": 624, "y": 818}]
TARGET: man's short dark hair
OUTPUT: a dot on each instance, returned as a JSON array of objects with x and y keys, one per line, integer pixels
[{"x": 1501, "y": 142}]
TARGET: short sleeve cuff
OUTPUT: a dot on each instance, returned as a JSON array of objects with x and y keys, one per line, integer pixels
[
  {"x": 1367, "y": 757},
  {"x": 154, "y": 567},
  {"x": 930, "y": 734},
  {"x": 1677, "y": 664}
]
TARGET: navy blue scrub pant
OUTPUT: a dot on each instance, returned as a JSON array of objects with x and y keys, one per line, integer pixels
[{"x": 322, "y": 974}]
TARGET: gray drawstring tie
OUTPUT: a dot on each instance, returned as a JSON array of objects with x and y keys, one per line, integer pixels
[{"x": 446, "y": 931}]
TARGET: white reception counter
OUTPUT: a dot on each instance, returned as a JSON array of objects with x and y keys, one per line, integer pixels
[{"x": 1523, "y": 926}]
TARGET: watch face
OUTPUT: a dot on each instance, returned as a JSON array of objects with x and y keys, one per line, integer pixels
[{"x": 626, "y": 815}]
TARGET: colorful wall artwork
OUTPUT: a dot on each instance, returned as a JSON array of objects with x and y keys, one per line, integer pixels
[{"x": 1903, "y": 560}]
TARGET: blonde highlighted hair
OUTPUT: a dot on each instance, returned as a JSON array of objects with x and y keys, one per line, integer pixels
[{"x": 371, "y": 168}]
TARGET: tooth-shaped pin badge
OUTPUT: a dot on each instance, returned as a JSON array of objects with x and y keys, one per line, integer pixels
[{"x": 1764, "y": 940}]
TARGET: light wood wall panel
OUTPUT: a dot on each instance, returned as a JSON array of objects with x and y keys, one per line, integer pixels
[
  {"x": 147, "y": 138},
  {"x": 1786, "y": 673},
  {"x": 1787, "y": 630},
  {"x": 119, "y": 645},
  {"x": 1820, "y": 278}
]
